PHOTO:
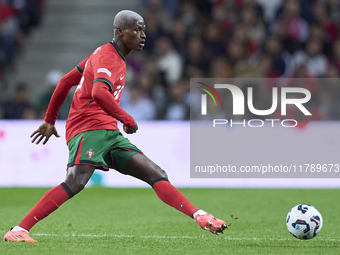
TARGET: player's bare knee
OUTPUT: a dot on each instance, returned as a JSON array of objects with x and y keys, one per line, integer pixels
[
  {"x": 74, "y": 185},
  {"x": 80, "y": 181},
  {"x": 77, "y": 177},
  {"x": 164, "y": 174},
  {"x": 78, "y": 187},
  {"x": 160, "y": 172}
]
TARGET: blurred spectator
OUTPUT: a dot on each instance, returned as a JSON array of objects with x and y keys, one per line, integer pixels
[
  {"x": 270, "y": 8},
  {"x": 155, "y": 30},
  {"x": 333, "y": 8},
  {"x": 151, "y": 69},
  {"x": 254, "y": 25},
  {"x": 316, "y": 31},
  {"x": 30, "y": 14},
  {"x": 226, "y": 15},
  {"x": 18, "y": 107},
  {"x": 192, "y": 71},
  {"x": 246, "y": 69},
  {"x": 17, "y": 18},
  {"x": 335, "y": 60},
  {"x": 313, "y": 58},
  {"x": 266, "y": 64},
  {"x": 240, "y": 36},
  {"x": 137, "y": 104},
  {"x": 161, "y": 8},
  {"x": 295, "y": 26},
  {"x": 177, "y": 108},
  {"x": 145, "y": 84},
  {"x": 10, "y": 34},
  {"x": 169, "y": 6},
  {"x": 179, "y": 35},
  {"x": 279, "y": 30},
  {"x": 52, "y": 79},
  {"x": 281, "y": 60},
  {"x": 220, "y": 68},
  {"x": 236, "y": 52},
  {"x": 169, "y": 61},
  {"x": 333, "y": 72},
  {"x": 196, "y": 56},
  {"x": 189, "y": 13},
  {"x": 327, "y": 24},
  {"x": 251, "y": 4},
  {"x": 329, "y": 99},
  {"x": 303, "y": 79},
  {"x": 213, "y": 40}
]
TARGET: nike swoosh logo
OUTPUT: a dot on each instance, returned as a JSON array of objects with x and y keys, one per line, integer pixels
[{"x": 121, "y": 78}]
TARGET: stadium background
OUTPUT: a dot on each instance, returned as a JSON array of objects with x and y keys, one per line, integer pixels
[{"x": 41, "y": 40}]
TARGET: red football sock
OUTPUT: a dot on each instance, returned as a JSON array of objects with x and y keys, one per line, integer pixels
[
  {"x": 171, "y": 196},
  {"x": 49, "y": 202}
]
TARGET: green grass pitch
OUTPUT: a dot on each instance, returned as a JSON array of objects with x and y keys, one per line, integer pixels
[{"x": 135, "y": 221}]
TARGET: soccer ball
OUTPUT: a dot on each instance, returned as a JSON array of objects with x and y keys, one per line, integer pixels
[{"x": 304, "y": 221}]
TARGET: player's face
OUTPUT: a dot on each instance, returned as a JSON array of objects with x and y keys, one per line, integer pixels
[{"x": 134, "y": 36}]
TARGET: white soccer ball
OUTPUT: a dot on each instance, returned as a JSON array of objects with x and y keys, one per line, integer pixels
[{"x": 304, "y": 221}]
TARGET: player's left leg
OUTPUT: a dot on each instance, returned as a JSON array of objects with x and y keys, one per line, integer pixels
[
  {"x": 143, "y": 168},
  {"x": 76, "y": 178}
]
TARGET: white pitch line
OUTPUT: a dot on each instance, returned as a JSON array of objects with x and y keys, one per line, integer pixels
[
  {"x": 173, "y": 237},
  {"x": 178, "y": 237}
]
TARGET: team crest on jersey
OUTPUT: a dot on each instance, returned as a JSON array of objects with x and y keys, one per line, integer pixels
[{"x": 90, "y": 153}]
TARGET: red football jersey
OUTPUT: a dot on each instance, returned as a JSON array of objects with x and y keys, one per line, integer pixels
[{"x": 106, "y": 64}]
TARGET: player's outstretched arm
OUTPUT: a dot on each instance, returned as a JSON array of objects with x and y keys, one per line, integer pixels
[
  {"x": 44, "y": 131},
  {"x": 69, "y": 80}
]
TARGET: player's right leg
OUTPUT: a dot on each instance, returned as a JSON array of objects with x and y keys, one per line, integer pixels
[{"x": 76, "y": 178}]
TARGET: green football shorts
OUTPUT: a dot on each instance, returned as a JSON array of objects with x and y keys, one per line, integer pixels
[{"x": 101, "y": 148}]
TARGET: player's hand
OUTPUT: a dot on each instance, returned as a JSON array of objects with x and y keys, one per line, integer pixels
[
  {"x": 45, "y": 130},
  {"x": 132, "y": 129}
]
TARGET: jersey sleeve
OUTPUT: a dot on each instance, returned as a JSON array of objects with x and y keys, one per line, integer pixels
[
  {"x": 104, "y": 99},
  {"x": 81, "y": 66},
  {"x": 59, "y": 95},
  {"x": 105, "y": 70}
]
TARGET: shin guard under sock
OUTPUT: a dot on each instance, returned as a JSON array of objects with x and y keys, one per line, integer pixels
[
  {"x": 49, "y": 202},
  {"x": 173, "y": 197}
]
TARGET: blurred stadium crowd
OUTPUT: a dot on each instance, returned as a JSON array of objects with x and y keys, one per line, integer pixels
[
  {"x": 17, "y": 19},
  {"x": 207, "y": 38}
]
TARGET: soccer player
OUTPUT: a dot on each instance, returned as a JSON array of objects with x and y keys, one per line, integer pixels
[{"x": 92, "y": 136}]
